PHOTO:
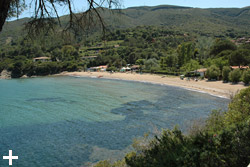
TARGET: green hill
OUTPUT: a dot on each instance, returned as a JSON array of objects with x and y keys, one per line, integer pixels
[
  {"x": 201, "y": 21},
  {"x": 218, "y": 22}
]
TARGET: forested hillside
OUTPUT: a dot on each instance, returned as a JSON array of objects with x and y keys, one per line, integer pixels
[
  {"x": 217, "y": 22},
  {"x": 163, "y": 39}
]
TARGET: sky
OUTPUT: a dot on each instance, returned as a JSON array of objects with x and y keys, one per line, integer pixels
[{"x": 79, "y": 5}]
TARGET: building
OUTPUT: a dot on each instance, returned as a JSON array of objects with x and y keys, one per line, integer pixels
[
  {"x": 202, "y": 72},
  {"x": 103, "y": 68},
  {"x": 135, "y": 68},
  {"x": 98, "y": 68},
  {"x": 240, "y": 67},
  {"x": 125, "y": 69},
  {"x": 41, "y": 59}
]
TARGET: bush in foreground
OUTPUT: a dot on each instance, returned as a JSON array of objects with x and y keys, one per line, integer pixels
[{"x": 223, "y": 142}]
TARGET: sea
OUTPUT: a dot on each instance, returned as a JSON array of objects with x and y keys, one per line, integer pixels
[{"x": 77, "y": 121}]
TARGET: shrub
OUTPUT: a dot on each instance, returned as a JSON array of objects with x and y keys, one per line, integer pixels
[
  {"x": 213, "y": 72},
  {"x": 154, "y": 69},
  {"x": 234, "y": 76},
  {"x": 246, "y": 77},
  {"x": 106, "y": 163},
  {"x": 239, "y": 108},
  {"x": 17, "y": 70},
  {"x": 225, "y": 73},
  {"x": 223, "y": 142},
  {"x": 1, "y": 67},
  {"x": 173, "y": 149},
  {"x": 112, "y": 68}
]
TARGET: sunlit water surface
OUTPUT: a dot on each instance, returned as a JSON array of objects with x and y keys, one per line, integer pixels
[{"x": 67, "y": 121}]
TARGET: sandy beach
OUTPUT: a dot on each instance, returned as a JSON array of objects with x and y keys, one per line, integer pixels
[{"x": 217, "y": 88}]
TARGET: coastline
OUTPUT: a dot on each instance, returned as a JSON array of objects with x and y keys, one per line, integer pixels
[{"x": 215, "y": 88}]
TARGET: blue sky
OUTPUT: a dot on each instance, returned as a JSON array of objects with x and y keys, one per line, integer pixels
[{"x": 80, "y": 6}]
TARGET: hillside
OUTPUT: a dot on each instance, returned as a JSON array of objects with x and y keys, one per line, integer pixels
[
  {"x": 218, "y": 22},
  {"x": 202, "y": 21}
]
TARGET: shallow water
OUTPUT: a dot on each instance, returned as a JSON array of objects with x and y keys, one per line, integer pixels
[{"x": 67, "y": 121}]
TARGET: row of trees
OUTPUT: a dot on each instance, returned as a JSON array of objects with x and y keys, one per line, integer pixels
[
  {"x": 20, "y": 68},
  {"x": 227, "y": 74}
]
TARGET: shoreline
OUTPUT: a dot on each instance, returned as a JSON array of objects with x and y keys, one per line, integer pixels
[{"x": 214, "y": 88}]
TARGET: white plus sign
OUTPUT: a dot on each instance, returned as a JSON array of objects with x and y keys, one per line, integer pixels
[{"x": 10, "y": 157}]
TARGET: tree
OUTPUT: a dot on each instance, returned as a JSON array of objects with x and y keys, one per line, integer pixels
[
  {"x": 17, "y": 70},
  {"x": 235, "y": 75},
  {"x": 246, "y": 77},
  {"x": 191, "y": 66},
  {"x": 168, "y": 61},
  {"x": 225, "y": 73},
  {"x": 45, "y": 10},
  {"x": 203, "y": 45},
  {"x": 140, "y": 62},
  {"x": 239, "y": 108},
  {"x": 151, "y": 63},
  {"x": 222, "y": 45},
  {"x": 213, "y": 72},
  {"x": 10, "y": 8},
  {"x": 240, "y": 57},
  {"x": 69, "y": 53},
  {"x": 185, "y": 53}
]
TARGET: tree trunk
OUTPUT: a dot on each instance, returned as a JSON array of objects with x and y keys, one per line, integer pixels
[{"x": 4, "y": 8}]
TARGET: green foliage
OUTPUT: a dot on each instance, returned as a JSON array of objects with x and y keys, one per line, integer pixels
[
  {"x": 225, "y": 73},
  {"x": 223, "y": 142},
  {"x": 235, "y": 75},
  {"x": 240, "y": 57},
  {"x": 204, "y": 45},
  {"x": 246, "y": 77},
  {"x": 203, "y": 22},
  {"x": 192, "y": 65},
  {"x": 164, "y": 151},
  {"x": 112, "y": 68},
  {"x": 17, "y": 69},
  {"x": 185, "y": 53},
  {"x": 215, "y": 122},
  {"x": 68, "y": 53},
  {"x": 169, "y": 61},
  {"x": 226, "y": 148},
  {"x": 222, "y": 45},
  {"x": 219, "y": 62},
  {"x": 140, "y": 62},
  {"x": 106, "y": 163},
  {"x": 239, "y": 108},
  {"x": 156, "y": 49},
  {"x": 151, "y": 63},
  {"x": 213, "y": 72}
]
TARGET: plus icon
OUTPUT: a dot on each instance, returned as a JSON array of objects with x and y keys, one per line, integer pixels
[{"x": 10, "y": 157}]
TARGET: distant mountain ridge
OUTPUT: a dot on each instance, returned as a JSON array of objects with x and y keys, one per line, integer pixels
[{"x": 209, "y": 22}]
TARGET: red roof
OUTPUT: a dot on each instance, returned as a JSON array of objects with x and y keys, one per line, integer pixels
[{"x": 241, "y": 67}]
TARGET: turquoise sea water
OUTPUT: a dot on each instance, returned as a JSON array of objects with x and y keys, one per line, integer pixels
[{"x": 67, "y": 121}]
